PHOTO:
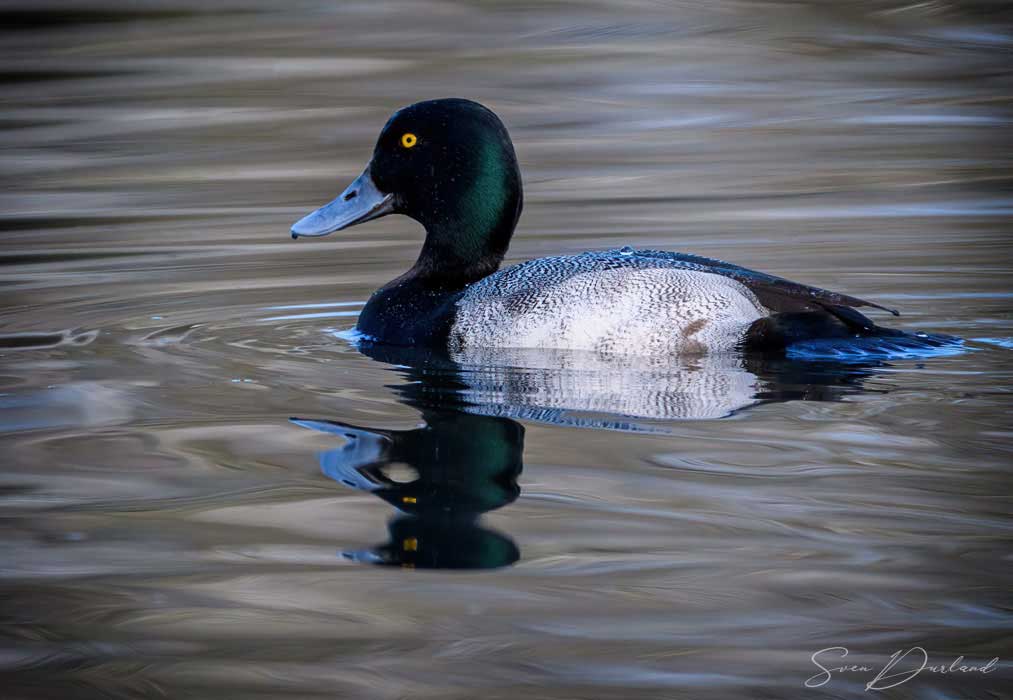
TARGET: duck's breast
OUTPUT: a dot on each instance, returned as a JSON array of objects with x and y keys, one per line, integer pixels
[{"x": 583, "y": 303}]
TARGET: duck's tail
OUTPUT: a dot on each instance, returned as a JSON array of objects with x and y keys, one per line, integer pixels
[{"x": 840, "y": 333}]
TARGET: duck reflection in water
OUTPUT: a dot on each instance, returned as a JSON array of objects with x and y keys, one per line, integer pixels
[
  {"x": 442, "y": 476},
  {"x": 467, "y": 456}
]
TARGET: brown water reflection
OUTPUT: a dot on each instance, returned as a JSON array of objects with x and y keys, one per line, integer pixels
[{"x": 696, "y": 530}]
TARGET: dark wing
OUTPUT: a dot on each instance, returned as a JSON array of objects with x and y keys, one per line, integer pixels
[{"x": 776, "y": 293}]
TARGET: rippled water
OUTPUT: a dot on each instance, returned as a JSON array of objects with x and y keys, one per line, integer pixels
[{"x": 558, "y": 526}]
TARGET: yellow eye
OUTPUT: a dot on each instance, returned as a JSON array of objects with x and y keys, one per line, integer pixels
[{"x": 408, "y": 140}]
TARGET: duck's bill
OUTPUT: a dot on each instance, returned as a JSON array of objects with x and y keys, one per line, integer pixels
[{"x": 361, "y": 201}]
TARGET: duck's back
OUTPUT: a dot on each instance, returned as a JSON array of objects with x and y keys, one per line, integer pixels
[
  {"x": 607, "y": 301},
  {"x": 645, "y": 302}
]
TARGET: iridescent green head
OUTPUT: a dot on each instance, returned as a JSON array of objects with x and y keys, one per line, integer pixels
[{"x": 450, "y": 165}]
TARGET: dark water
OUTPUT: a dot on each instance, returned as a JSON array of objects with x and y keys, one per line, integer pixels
[{"x": 553, "y": 526}]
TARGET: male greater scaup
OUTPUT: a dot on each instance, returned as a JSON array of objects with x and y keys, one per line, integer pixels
[{"x": 450, "y": 165}]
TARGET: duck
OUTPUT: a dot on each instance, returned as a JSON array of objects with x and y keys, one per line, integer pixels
[{"x": 450, "y": 165}]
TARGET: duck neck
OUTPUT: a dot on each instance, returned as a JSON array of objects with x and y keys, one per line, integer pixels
[{"x": 459, "y": 255}]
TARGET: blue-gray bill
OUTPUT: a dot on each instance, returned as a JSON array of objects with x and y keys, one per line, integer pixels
[{"x": 361, "y": 201}]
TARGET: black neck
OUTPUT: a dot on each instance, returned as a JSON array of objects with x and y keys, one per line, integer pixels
[{"x": 463, "y": 249}]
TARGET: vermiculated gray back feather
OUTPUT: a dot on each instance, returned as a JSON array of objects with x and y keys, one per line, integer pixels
[
  {"x": 656, "y": 302},
  {"x": 609, "y": 301}
]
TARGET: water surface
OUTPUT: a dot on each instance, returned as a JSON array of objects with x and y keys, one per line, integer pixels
[{"x": 542, "y": 524}]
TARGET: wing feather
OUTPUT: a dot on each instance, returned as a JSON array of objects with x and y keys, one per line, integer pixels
[{"x": 776, "y": 293}]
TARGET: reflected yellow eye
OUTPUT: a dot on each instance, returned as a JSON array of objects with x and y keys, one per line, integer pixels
[{"x": 408, "y": 140}]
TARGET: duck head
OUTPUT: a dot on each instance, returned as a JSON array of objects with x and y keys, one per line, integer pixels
[{"x": 450, "y": 165}]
